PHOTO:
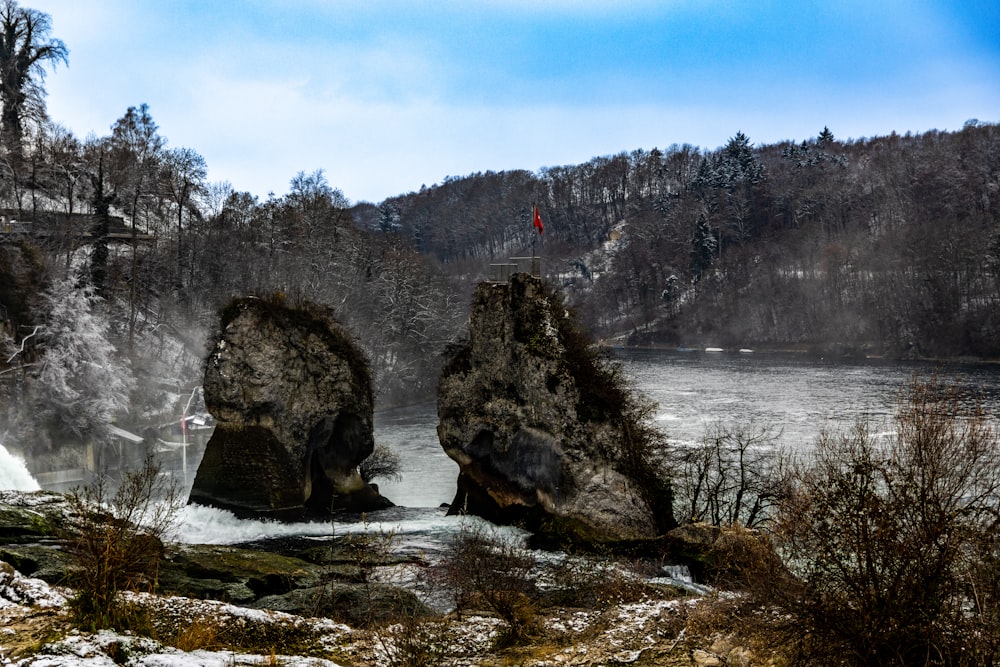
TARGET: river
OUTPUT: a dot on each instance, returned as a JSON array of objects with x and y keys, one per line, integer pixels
[
  {"x": 792, "y": 394},
  {"x": 795, "y": 396}
]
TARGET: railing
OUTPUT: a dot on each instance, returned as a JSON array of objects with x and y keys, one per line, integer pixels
[
  {"x": 15, "y": 227},
  {"x": 503, "y": 271}
]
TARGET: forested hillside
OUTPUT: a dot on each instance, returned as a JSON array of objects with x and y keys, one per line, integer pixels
[
  {"x": 116, "y": 252},
  {"x": 890, "y": 243}
]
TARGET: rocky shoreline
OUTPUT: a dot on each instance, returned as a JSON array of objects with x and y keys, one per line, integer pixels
[{"x": 312, "y": 597}]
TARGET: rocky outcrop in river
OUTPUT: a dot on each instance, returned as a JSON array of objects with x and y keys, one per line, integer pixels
[
  {"x": 292, "y": 395},
  {"x": 545, "y": 432}
]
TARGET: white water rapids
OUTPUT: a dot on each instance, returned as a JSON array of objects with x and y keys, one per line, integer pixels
[{"x": 14, "y": 475}]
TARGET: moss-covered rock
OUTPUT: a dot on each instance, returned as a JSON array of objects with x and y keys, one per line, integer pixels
[
  {"x": 326, "y": 577},
  {"x": 28, "y": 516},
  {"x": 546, "y": 432},
  {"x": 47, "y": 560},
  {"x": 353, "y": 604},
  {"x": 292, "y": 394},
  {"x": 221, "y": 572}
]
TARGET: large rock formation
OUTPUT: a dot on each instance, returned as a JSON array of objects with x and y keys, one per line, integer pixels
[
  {"x": 293, "y": 398},
  {"x": 544, "y": 430}
]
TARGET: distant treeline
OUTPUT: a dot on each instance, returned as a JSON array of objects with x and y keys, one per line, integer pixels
[{"x": 889, "y": 245}]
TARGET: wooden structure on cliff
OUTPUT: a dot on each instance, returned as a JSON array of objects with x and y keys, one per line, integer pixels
[{"x": 501, "y": 272}]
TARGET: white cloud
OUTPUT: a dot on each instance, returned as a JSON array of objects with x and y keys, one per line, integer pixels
[{"x": 384, "y": 111}]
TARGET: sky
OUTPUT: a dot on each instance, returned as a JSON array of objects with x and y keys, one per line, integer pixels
[{"x": 387, "y": 96}]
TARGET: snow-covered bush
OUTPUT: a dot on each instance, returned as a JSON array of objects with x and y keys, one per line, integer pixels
[{"x": 80, "y": 384}]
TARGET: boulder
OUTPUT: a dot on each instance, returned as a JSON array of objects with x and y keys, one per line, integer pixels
[
  {"x": 300, "y": 575},
  {"x": 29, "y": 515},
  {"x": 366, "y": 605},
  {"x": 292, "y": 396},
  {"x": 544, "y": 430},
  {"x": 238, "y": 575}
]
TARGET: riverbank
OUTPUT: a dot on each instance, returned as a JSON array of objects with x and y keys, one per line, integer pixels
[
  {"x": 581, "y": 611},
  {"x": 197, "y": 633}
]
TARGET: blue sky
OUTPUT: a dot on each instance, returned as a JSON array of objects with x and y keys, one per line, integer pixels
[{"x": 386, "y": 96}]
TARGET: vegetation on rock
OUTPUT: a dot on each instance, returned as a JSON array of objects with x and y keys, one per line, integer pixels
[{"x": 546, "y": 430}]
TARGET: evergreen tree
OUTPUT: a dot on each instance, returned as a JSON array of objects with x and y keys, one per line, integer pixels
[
  {"x": 388, "y": 218},
  {"x": 739, "y": 164},
  {"x": 703, "y": 247},
  {"x": 81, "y": 384}
]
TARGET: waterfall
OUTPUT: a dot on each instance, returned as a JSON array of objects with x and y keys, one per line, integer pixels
[
  {"x": 680, "y": 577},
  {"x": 13, "y": 473}
]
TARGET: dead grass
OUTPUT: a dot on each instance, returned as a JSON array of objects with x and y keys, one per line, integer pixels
[
  {"x": 641, "y": 633},
  {"x": 201, "y": 635},
  {"x": 24, "y": 630}
]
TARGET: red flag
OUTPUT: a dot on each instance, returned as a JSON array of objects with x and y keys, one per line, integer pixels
[{"x": 538, "y": 221}]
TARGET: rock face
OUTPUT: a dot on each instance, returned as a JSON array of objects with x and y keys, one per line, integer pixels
[
  {"x": 295, "y": 575},
  {"x": 293, "y": 398},
  {"x": 544, "y": 433}
]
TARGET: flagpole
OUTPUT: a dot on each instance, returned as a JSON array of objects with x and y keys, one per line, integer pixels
[
  {"x": 534, "y": 252},
  {"x": 536, "y": 222},
  {"x": 541, "y": 249}
]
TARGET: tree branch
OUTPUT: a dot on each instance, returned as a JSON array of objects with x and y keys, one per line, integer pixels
[{"x": 23, "y": 340}]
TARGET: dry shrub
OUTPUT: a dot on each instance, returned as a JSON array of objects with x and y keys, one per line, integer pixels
[
  {"x": 199, "y": 635},
  {"x": 262, "y": 636},
  {"x": 369, "y": 549},
  {"x": 741, "y": 631},
  {"x": 383, "y": 463},
  {"x": 893, "y": 539},
  {"x": 372, "y": 599},
  {"x": 483, "y": 567},
  {"x": 415, "y": 643},
  {"x": 595, "y": 583},
  {"x": 117, "y": 545},
  {"x": 744, "y": 559}
]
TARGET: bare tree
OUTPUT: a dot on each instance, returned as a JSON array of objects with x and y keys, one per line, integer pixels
[
  {"x": 736, "y": 476},
  {"x": 183, "y": 177},
  {"x": 64, "y": 177},
  {"x": 136, "y": 151},
  {"x": 25, "y": 48}
]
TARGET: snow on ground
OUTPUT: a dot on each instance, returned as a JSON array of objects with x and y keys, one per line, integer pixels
[
  {"x": 36, "y": 631},
  {"x": 19, "y": 590},
  {"x": 110, "y": 649},
  {"x": 22, "y": 597},
  {"x": 619, "y": 634}
]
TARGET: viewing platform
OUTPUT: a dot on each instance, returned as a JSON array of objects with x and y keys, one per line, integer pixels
[{"x": 501, "y": 272}]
